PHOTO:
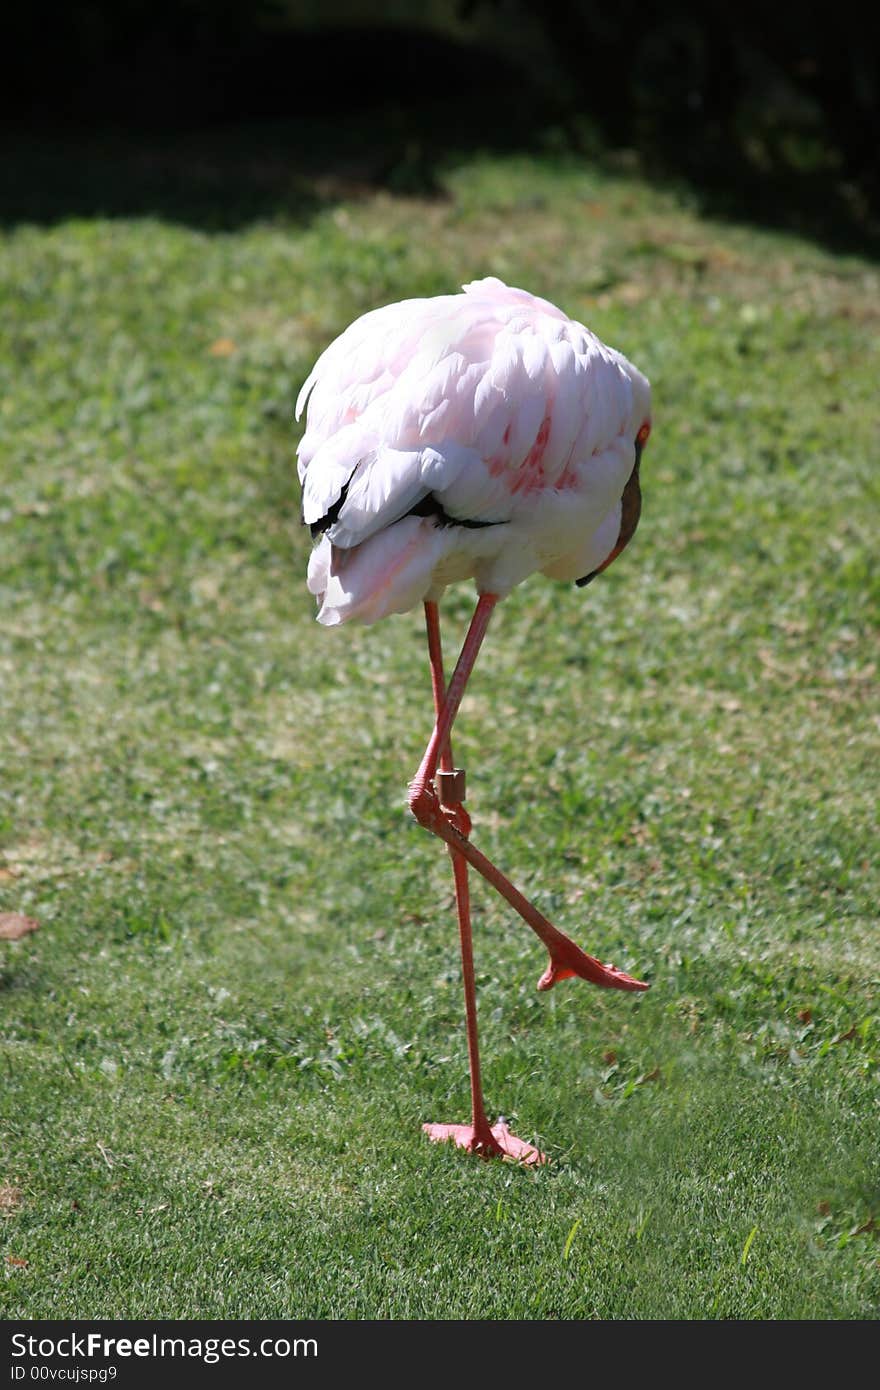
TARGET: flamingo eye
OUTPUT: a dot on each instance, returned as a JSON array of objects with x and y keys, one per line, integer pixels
[{"x": 642, "y": 436}]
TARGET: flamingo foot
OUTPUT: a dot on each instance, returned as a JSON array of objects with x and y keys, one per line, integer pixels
[
  {"x": 568, "y": 960},
  {"x": 497, "y": 1142}
]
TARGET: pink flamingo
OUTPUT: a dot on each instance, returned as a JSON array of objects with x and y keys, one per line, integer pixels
[{"x": 478, "y": 435}]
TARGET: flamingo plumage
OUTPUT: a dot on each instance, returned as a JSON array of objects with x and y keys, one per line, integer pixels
[{"x": 481, "y": 435}]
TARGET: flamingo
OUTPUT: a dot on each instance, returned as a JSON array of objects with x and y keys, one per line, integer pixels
[{"x": 481, "y": 435}]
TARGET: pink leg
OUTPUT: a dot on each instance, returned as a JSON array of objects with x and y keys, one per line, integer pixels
[
  {"x": 438, "y": 680},
  {"x": 479, "y": 1136},
  {"x": 453, "y": 826}
]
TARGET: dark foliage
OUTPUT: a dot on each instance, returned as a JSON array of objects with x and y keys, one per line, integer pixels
[{"x": 769, "y": 111}]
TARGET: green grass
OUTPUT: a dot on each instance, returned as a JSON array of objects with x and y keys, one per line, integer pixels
[{"x": 244, "y": 998}]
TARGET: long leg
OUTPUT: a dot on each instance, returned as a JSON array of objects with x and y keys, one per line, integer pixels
[
  {"x": 438, "y": 680},
  {"x": 446, "y": 716},
  {"x": 478, "y": 1137},
  {"x": 482, "y": 1131},
  {"x": 566, "y": 958}
]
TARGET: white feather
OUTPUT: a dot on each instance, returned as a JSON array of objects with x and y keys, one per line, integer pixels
[{"x": 492, "y": 402}]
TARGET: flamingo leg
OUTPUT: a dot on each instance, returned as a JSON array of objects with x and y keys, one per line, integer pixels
[
  {"x": 438, "y": 680},
  {"x": 452, "y": 824},
  {"x": 479, "y": 1136}
]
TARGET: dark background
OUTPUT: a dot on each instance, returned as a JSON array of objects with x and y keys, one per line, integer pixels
[{"x": 769, "y": 112}]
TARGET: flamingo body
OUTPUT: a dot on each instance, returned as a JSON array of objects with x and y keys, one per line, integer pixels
[{"x": 478, "y": 435}]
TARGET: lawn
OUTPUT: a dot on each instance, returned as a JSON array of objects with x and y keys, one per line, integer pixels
[{"x": 243, "y": 998}]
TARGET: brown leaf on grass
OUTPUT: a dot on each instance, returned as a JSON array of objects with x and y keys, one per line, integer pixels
[
  {"x": 14, "y": 925},
  {"x": 805, "y": 1015},
  {"x": 10, "y": 1198},
  {"x": 845, "y": 1037},
  {"x": 17, "y": 1261},
  {"x": 631, "y": 292},
  {"x": 223, "y": 347}
]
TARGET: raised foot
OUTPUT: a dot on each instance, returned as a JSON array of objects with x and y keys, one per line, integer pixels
[
  {"x": 571, "y": 961},
  {"x": 497, "y": 1142}
]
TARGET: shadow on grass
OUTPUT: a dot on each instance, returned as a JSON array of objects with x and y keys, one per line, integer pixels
[
  {"x": 224, "y": 178},
  {"x": 341, "y": 114}
]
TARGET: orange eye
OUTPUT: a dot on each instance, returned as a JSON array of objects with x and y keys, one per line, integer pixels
[{"x": 642, "y": 436}]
